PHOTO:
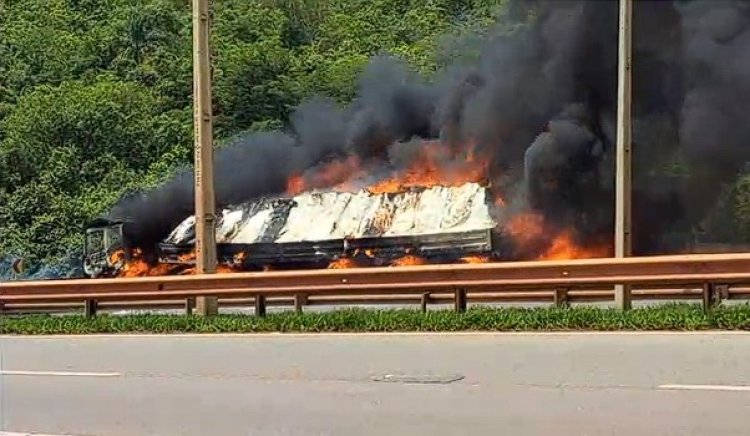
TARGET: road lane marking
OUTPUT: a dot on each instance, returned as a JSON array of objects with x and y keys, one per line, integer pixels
[
  {"x": 10, "y": 433},
  {"x": 418, "y": 378},
  {"x": 734, "y": 388},
  {"x": 60, "y": 374}
]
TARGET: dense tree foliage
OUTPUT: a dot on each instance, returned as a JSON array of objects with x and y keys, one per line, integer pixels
[{"x": 95, "y": 95}]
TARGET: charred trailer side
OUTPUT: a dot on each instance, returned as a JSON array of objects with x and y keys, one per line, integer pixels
[
  {"x": 313, "y": 229},
  {"x": 438, "y": 248}
]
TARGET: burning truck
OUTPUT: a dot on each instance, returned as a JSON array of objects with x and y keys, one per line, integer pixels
[
  {"x": 321, "y": 229},
  {"x": 439, "y": 207},
  {"x": 507, "y": 153},
  {"x": 490, "y": 161}
]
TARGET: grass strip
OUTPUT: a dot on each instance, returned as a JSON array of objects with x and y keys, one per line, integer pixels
[{"x": 666, "y": 317}]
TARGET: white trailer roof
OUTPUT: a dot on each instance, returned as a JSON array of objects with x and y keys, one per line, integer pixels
[{"x": 319, "y": 216}]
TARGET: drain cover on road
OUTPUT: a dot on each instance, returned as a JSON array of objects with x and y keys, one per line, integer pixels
[{"x": 418, "y": 379}]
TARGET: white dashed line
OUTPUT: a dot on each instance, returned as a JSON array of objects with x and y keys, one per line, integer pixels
[
  {"x": 60, "y": 374},
  {"x": 733, "y": 388},
  {"x": 10, "y": 433}
]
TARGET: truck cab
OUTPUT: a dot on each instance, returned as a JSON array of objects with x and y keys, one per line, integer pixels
[{"x": 105, "y": 250}]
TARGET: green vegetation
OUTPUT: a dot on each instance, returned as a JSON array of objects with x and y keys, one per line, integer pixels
[
  {"x": 668, "y": 317},
  {"x": 95, "y": 95}
]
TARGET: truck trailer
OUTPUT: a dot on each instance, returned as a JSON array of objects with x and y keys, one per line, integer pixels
[{"x": 313, "y": 229}]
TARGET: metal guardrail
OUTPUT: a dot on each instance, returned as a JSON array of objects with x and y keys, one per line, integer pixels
[
  {"x": 710, "y": 278},
  {"x": 424, "y": 300}
]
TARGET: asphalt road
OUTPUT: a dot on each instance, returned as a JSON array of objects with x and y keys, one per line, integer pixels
[{"x": 509, "y": 384}]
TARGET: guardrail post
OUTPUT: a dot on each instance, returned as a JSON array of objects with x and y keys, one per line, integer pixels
[
  {"x": 460, "y": 300},
  {"x": 260, "y": 305},
  {"x": 189, "y": 306},
  {"x": 722, "y": 293},
  {"x": 300, "y": 300},
  {"x": 424, "y": 302},
  {"x": 561, "y": 297},
  {"x": 623, "y": 297},
  {"x": 709, "y": 296},
  {"x": 90, "y": 308}
]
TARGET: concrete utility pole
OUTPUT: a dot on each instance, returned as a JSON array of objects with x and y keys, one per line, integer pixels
[
  {"x": 624, "y": 132},
  {"x": 205, "y": 220}
]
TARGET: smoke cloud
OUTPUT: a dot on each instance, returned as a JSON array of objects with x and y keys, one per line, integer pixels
[
  {"x": 541, "y": 103},
  {"x": 250, "y": 166}
]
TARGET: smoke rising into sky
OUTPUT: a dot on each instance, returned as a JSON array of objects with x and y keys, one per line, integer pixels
[{"x": 540, "y": 104}]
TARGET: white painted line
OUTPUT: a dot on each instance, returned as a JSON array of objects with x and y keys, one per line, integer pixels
[
  {"x": 60, "y": 374},
  {"x": 10, "y": 433},
  {"x": 733, "y": 388}
]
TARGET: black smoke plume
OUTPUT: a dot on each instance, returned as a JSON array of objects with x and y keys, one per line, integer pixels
[{"x": 541, "y": 101}]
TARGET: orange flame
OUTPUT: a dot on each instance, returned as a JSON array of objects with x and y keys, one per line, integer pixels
[
  {"x": 139, "y": 267},
  {"x": 475, "y": 259},
  {"x": 225, "y": 269},
  {"x": 564, "y": 247},
  {"x": 525, "y": 228},
  {"x": 187, "y": 257},
  {"x": 408, "y": 260},
  {"x": 528, "y": 228},
  {"x": 239, "y": 258},
  {"x": 434, "y": 164},
  {"x": 343, "y": 263},
  {"x": 369, "y": 252},
  {"x": 334, "y": 173},
  {"x": 117, "y": 256}
]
